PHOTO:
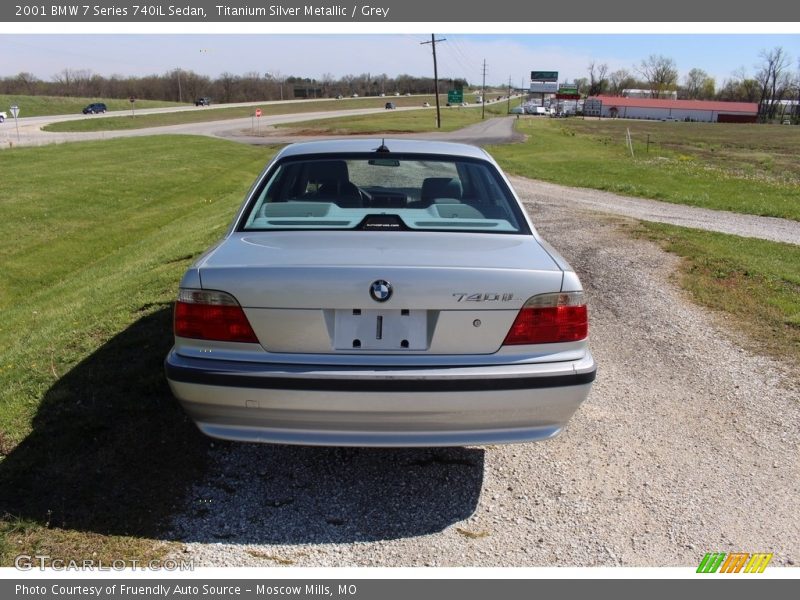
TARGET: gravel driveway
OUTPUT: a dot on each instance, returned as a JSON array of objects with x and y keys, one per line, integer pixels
[{"x": 688, "y": 444}]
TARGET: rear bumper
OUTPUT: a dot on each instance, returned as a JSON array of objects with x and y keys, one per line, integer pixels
[{"x": 362, "y": 406}]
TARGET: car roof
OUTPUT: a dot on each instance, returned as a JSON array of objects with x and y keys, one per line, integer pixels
[{"x": 404, "y": 146}]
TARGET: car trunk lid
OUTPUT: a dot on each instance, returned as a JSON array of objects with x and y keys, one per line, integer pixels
[{"x": 315, "y": 292}]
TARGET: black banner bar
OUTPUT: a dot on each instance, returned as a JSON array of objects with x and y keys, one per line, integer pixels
[
  {"x": 391, "y": 11},
  {"x": 704, "y": 587}
]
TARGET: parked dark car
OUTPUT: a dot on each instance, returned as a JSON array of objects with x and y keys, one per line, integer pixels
[
  {"x": 95, "y": 108},
  {"x": 390, "y": 106},
  {"x": 203, "y": 102}
]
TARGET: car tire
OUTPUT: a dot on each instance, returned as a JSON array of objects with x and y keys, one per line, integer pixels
[{"x": 2, "y": 119}]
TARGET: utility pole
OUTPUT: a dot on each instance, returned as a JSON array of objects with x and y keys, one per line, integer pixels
[
  {"x": 180, "y": 95},
  {"x": 435, "y": 77},
  {"x": 483, "y": 92},
  {"x": 508, "y": 107}
]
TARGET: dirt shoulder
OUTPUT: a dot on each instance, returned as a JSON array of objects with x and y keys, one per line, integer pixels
[{"x": 766, "y": 228}]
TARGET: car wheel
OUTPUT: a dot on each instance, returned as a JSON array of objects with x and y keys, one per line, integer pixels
[{"x": 2, "y": 119}]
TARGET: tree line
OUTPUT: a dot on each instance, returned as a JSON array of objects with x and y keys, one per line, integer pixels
[
  {"x": 183, "y": 85},
  {"x": 774, "y": 81}
]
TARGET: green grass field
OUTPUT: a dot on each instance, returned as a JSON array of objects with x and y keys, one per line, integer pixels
[
  {"x": 708, "y": 165},
  {"x": 38, "y": 106},
  {"x": 93, "y": 241},
  {"x": 213, "y": 113}
]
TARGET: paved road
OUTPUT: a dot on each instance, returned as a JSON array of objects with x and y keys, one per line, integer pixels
[{"x": 31, "y": 134}]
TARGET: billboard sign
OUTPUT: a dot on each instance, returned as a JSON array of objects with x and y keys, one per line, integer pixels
[
  {"x": 567, "y": 89},
  {"x": 544, "y": 75},
  {"x": 544, "y": 88}
]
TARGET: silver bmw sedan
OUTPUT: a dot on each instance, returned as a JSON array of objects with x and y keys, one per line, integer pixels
[{"x": 381, "y": 293}]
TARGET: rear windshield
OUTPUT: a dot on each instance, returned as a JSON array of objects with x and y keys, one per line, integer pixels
[{"x": 406, "y": 192}]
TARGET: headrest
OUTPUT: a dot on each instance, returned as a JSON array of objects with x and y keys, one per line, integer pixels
[{"x": 440, "y": 187}]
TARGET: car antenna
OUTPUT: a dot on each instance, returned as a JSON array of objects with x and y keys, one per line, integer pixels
[{"x": 382, "y": 147}]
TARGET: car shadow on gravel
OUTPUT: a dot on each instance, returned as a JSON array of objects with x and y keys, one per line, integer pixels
[
  {"x": 110, "y": 452},
  {"x": 263, "y": 494}
]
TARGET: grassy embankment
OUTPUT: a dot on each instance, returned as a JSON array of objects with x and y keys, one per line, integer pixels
[
  {"x": 38, "y": 106},
  {"x": 95, "y": 451},
  {"x": 751, "y": 169}
]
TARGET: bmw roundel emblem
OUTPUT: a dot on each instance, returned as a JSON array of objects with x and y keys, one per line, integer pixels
[{"x": 380, "y": 290}]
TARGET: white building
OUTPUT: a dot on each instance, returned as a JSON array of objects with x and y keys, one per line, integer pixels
[{"x": 660, "y": 109}]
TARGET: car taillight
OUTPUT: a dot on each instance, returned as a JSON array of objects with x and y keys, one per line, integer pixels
[
  {"x": 211, "y": 315},
  {"x": 550, "y": 318}
]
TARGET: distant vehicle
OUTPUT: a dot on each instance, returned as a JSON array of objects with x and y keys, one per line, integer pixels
[
  {"x": 408, "y": 93},
  {"x": 390, "y": 106},
  {"x": 354, "y": 96},
  {"x": 537, "y": 110},
  {"x": 203, "y": 102},
  {"x": 339, "y": 97},
  {"x": 3, "y": 116},
  {"x": 426, "y": 104},
  {"x": 382, "y": 94},
  {"x": 95, "y": 108},
  {"x": 517, "y": 110},
  {"x": 397, "y": 93},
  {"x": 785, "y": 121}
]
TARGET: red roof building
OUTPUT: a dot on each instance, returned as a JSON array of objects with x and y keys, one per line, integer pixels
[{"x": 670, "y": 110}]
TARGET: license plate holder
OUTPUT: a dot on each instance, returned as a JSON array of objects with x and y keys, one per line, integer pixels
[{"x": 377, "y": 329}]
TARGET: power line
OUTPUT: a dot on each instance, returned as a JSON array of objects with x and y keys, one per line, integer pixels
[
  {"x": 462, "y": 50},
  {"x": 465, "y": 63}
]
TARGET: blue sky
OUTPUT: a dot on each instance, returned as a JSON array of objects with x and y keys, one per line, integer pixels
[{"x": 461, "y": 55}]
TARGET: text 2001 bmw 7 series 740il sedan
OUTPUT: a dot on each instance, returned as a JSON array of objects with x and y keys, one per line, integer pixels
[{"x": 381, "y": 293}]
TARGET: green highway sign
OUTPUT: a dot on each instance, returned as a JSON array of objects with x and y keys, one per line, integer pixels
[
  {"x": 544, "y": 75},
  {"x": 455, "y": 96},
  {"x": 567, "y": 89}
]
